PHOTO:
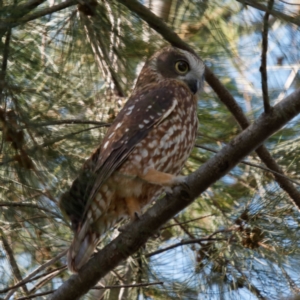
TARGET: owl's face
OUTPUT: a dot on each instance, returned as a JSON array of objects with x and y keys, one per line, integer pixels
[{"x": 174, "y": 63}]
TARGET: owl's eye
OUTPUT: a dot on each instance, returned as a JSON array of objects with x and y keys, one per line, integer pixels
[{"x": 182, "y": 67}]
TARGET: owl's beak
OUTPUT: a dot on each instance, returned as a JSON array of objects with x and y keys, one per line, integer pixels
[{"x": 194, "y": 85}]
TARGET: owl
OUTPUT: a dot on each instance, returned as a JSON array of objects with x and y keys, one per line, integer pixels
[{"x": 141, "y": 154}]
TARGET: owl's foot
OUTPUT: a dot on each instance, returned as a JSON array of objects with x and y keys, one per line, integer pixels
[
  {"x": 134, "y": 215},
  {"x": 161, "y": 178},
  {"x": 185, "y": 190},
  {"x": 137, "y": 215},
  {"x": 125, "y": 226},
  {"x": 133, "y": 208},
  {"x": 182, "y": 187},
  {"x": 185, "y": 186}
]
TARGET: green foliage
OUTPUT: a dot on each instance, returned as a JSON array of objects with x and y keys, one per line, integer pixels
[{"x": 65, "y": 75}]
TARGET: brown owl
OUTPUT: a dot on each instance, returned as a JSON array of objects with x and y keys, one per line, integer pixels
[{"x": 141, "y": 154}]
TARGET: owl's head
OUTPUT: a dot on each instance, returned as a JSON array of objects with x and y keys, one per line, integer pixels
[{"x": 173, "y": 63}]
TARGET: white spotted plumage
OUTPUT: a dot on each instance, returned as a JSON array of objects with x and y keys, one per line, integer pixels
[{"x": 155, "y": 130}]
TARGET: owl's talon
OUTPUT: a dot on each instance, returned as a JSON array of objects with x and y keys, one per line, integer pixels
[
  {"x": 185, "y": 186},
  {"x": 185, "y": 190},
  {"x": 137, "y": 215}
]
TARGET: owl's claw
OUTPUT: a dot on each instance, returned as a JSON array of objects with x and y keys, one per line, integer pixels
[
  {"x": 137, "y": 215},
  {"x": 185, "y": 190},
  {"x": 181, "y": 185},
  {"x": 185, "y": 186}
]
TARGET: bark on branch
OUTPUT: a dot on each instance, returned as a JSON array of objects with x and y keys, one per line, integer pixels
[{"x": 138, "y": 232}]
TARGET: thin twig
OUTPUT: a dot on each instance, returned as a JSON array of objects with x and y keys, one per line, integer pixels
[
  {"x": 66, "y": 121},
  {"x": 183, "y": 228},
  {"x": 62, "y": 268},
  {"x": 126, "y": 285},
  {"x": 185, "y": 242},
  {"x": 186, "y": 222},
  {"x": 36, "y": 295},
  {"x": 263, "y": 66},
  {"x": 46, "y": 279}
]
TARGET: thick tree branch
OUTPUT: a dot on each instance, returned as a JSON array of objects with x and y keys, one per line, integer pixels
[
  {"x": 224, "y": 95},
  {"x": 139, "y": 231}
]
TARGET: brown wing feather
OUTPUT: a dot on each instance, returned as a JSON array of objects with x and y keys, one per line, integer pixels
[{"x": 128, "y": 129}]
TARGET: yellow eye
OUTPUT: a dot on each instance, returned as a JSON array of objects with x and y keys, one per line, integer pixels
[{"x": 182, "y": 67}]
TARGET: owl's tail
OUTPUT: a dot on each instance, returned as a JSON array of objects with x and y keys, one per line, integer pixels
[{"x": 82, "y": 247}]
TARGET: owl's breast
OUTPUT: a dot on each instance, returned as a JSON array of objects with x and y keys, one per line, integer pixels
[{"x": 166, "y": 147}]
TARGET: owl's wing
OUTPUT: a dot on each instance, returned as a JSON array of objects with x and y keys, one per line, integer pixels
[{"x": 140, "y": 114}]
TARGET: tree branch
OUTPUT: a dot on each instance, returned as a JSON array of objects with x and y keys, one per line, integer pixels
[
  {"x": 184, "y": 242},
  {"x": 224, "y": 95},
  {"x": 263, "y": 66},
  {"x": 64, "y": 122},
  {"x": 110, "y": 287},
  {"x": 139, "y": 231},
  {"x": 4, "y": 63},
  {"x": 185, "y": 222}
]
